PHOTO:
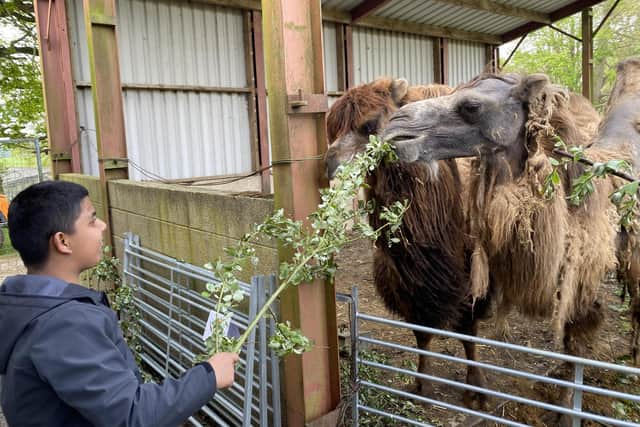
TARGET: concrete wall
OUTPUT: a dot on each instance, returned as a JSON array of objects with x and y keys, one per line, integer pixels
[
  {"x": 91, "y": 183},
  {"x": 190, "y": 224}
]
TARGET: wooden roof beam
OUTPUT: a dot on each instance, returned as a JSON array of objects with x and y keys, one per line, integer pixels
[
  {"x": 366, "y": 8},
  {"x": 500, "y": 9},
  {"x": 411, "y": 27},
  {"x": 556, "y": 15}
]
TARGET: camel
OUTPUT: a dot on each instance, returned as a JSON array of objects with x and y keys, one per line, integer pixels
[
  {"x": 543, "y": 257},
  {"x": 424, "y": 278},
  {"x": 620, "y": 131}
]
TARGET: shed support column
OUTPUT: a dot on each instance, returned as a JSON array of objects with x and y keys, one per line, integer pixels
[
  {"x": 294, "y": 64},
  {"x": 587, "y": 53},
  {"x": 100, "y": 22},
  {"x": 57, "y": 83}
]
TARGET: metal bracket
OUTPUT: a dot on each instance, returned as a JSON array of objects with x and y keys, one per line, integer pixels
[
  {"x": 61, "y": 155},
  {"x": 307, "y": 104},
  {"x": 101, "y": 19},
  {"x": 108, "y": 164}
]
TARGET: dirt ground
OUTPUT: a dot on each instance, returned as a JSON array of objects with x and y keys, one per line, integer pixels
[{"x": 355, "y": 267}]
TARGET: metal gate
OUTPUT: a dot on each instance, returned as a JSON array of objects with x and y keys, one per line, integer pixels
[
  {"x": 21, "y": 164},
  {"x": 576, "y": 412},
  {"x": 173, "y": 318}
]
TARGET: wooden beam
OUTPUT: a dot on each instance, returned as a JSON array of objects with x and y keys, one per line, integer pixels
[
  {"x": 500, "y": 9},
  {"x": 247, "y": 32},
  {"x": 348, "y": 54},
  {"x": 366, "y": 8},
  {"x": 57, "y": 84},
  {"x": 438, "y": 74},
  {"x": 412, "y": 28},
  {"x": 236, "y": 4},
  {"x": 261, "y": 102},
  {"x": 556, "y": 15},
  {"x": 294, "y": 64},
  {"x": 587, "y": 53},
  {"x": 100, "y": 23}
]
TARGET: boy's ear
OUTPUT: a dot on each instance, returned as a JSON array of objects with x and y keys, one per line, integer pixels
[{"x": 61, "y": 243}]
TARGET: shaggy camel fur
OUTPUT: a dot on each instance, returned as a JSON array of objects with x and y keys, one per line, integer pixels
[
  {"x": 425, "y": 277},
  {"x": 543, "y": 257},
  {"x": 620, "y": 131}
]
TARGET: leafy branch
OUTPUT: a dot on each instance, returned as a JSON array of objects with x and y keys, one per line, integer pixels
[
  {"x": 313, "y": 249},
  {"x": 625, "y": 197}
]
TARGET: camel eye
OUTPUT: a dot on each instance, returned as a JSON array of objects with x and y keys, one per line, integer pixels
[
  {"x": 369, "y": 127},
  {"x": 469, "y": 110}
]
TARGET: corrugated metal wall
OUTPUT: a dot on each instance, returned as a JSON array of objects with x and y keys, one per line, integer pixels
[
  {"x": 84, "y": 99},
  {"x": 329, "y": 38},
  {"x": 378, "y": 53},
  {"x": 174, "y": 133},
  {"x": 466, "y": 60}
]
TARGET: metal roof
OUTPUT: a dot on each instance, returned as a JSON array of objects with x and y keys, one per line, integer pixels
[{"x": 487, "y": 21}]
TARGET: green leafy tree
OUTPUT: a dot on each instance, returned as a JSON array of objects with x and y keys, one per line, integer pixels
[
  {"x": 560, "y": 57},
  {"x": 21, "y": 99}
]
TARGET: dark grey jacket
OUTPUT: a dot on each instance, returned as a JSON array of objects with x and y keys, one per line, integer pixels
[{"x": 64, "y": 362}]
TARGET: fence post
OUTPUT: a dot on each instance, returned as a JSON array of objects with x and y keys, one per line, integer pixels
[
  {"x": 355, "y": 385},
  {"x": 36, "y": 142},
  {"x": 577, "y": 394}
]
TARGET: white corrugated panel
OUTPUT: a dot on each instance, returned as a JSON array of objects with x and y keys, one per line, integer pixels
[
  {"x": 180, "y": 43},
  {"x": 173, "y": 134},
  {"x": 186, "y": 134},
  {"x": 466, "y": 60},
  {"x": 87, "y": 133},
  {"x": 78, "y": 42},
  {"x": 84, "y": 99},
  {"x": 178, "y": 134},
  {"x": 378, "y": 53},
  {"x": 329, "y": 36}
]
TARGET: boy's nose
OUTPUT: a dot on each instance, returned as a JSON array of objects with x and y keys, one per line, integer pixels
[{"x": 103, "y": 225}]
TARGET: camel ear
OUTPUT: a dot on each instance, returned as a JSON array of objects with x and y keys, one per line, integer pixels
[
  {"x": 531, "y": 86},
  {"x": 399, "y": 89}
]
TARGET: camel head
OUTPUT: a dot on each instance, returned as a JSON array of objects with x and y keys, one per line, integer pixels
[
  {"x": 363, "y": 111},
  {"x": 488, "y": 116}
]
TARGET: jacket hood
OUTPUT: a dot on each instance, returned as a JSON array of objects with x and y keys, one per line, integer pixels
[{"x": 26, "y": 297}]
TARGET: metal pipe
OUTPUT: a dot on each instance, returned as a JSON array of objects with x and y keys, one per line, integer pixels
[
  {"x": 577, "y": 394},
  {"x": 507, "y": 371},
  {"x": 443, "y": 404},
  {"x": 518, "y": 399},
  {"x": 478, "y": 340},
  {"x": 355, "y": 385},
  {"x": 36, "y": 142}
]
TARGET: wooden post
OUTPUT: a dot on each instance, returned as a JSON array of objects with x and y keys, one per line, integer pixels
[
  {"x": 57, "y": 84},
  {"x": 295, "y": 73},
  {"x": 100, "y": 22},
  {"x": 587, "y": 53}
]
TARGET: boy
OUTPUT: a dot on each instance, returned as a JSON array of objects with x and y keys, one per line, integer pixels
[{"x": 62, "y": 355}]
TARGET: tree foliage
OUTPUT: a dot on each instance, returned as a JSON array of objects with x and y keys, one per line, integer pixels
[
  {"x": 560, "y": 57},
  {"x": 21, "y": 99}
]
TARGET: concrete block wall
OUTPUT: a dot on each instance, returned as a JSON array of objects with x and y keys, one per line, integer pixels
[{"x": 190, "y": 224}]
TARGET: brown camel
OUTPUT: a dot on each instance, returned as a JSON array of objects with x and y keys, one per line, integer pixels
[
  {"x": 620, "y": 131},
  {"x": 542, "y": 257},
  {"x": 424, "y": 278}
]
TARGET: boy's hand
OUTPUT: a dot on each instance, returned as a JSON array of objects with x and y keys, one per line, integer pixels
[{"x": 223, "y": 365}]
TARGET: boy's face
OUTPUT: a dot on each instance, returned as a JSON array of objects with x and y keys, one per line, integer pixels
[{"x": 86, "y": 240}]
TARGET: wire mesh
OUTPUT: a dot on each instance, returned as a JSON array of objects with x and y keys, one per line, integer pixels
[{"x": 22, "y": 163}]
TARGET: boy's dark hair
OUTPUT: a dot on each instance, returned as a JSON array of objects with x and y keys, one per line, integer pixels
[{"x": 39, "y": 212}]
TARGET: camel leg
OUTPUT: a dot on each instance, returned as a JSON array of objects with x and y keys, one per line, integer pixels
[
  {"x": 423, "y": 386},
  {"x": 475, "y": 375},
  {"x": 575, "y": 335}
]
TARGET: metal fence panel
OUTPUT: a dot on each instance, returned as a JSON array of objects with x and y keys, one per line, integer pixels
[
  {"x": 173, "y": 319},
  {"x": 22, "y": 163},
  {"x": 576, "y": 412}
]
